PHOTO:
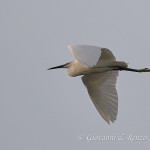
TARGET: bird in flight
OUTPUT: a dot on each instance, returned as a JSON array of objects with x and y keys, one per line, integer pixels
[{"x": 99, "y": 70}]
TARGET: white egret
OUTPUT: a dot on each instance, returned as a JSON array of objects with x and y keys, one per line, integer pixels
[{"x": 100, "y": 71}]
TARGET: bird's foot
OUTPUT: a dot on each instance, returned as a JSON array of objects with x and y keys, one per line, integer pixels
[{"x": 144, "y": 70}]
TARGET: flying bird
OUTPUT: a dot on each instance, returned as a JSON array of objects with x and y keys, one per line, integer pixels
[{"x": 99, "y": 70}]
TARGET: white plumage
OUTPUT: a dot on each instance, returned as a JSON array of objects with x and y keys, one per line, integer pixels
[
  {"x": 100, "y": 71},
  {"x": 102, "y": 91},
  {"x": 86, "y": 55},
  {"x": 101, "y": 85}
]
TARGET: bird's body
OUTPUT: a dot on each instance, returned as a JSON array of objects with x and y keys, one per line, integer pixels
[
  {"x": 76, "y": 69},
  {"x": 99, "y": 70}
]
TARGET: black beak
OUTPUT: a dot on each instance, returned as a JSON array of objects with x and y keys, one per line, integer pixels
[{"x": 61, "y": 66}]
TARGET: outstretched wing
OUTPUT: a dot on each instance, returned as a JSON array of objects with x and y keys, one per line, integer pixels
[
  {"x": 102, "y": 91},
  {"x": 88, "y": 55},
  {"x": 107, "y": 55}
]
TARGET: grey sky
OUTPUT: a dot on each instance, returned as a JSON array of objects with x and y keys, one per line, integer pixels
[{"x": 45, "y": 110}]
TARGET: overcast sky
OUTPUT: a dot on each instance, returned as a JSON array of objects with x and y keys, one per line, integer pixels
[{"x": 43, "y": 110}]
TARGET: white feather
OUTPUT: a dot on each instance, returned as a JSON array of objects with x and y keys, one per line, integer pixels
[
  {"x": 102, "y": 91},
  {"x": 107, "y": 55},
  {"x": 86, "y": 55}
]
